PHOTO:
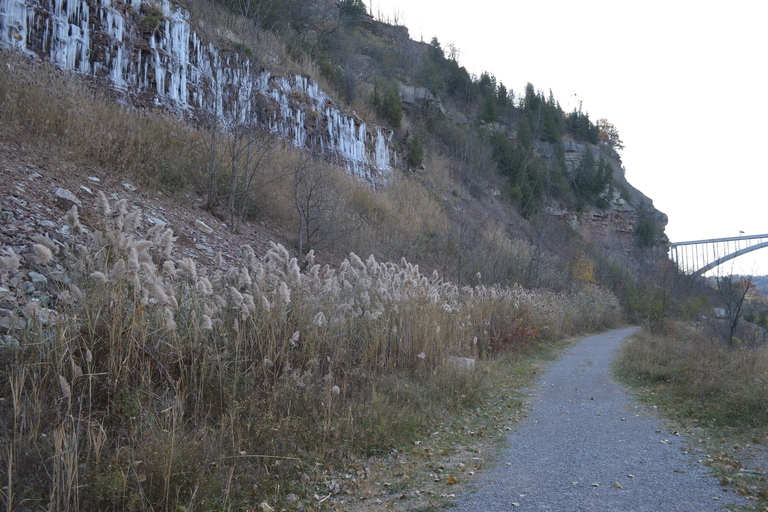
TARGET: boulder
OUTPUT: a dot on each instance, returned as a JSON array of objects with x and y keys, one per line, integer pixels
[
  {"x": 65, "y": 199},
  {"x": 203, "y": 227},
  {"x": 461, "y": 364},
  {"x": 39, "y": 281}
]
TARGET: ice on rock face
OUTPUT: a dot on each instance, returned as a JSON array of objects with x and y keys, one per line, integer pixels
[
  {"x": 98, "y": 38},
  {"x": 13, "y": 23}
]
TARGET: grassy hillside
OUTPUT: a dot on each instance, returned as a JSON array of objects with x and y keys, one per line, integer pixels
[{"x": 137, "y": 379}]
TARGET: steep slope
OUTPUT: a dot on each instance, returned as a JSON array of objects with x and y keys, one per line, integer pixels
[{"x": 228, "y": 79}]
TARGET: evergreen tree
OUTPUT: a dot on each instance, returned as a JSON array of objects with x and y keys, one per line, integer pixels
[
  {"x": 415, "y": 152},
  {"x": 592, "y": 180},
  {"x": 387, "y": 102},
  {"x": 488, "y": 112}
]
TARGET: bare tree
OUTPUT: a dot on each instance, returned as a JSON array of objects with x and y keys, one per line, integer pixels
[
  {"x": 319, "y": 199},
  {"x": 248, "y": 147},
  {"x": 733, "y": 293}
]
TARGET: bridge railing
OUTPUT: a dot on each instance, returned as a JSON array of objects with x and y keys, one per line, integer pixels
[{"x": 699, "y": 256}]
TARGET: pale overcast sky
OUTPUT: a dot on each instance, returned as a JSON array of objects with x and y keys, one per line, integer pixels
[{"x": 684, "y": 82}]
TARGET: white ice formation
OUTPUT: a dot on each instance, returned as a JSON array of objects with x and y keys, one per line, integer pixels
[{"x": 148, "y": 55}]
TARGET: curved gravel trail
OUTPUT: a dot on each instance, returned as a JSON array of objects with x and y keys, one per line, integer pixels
[{"x": 587, "y": 446}]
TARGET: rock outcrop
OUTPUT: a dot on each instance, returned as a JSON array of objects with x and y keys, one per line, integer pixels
[{"x": 613, "y": 228}]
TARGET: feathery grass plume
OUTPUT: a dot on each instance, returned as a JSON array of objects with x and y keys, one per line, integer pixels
[
  {"x": 65, "y": 389},
  {"x": 118, "y": 272},
  {"x": 294, "y": 272},
  {"x": 166, "y": 244},
  {"x": 121, "y": 209},
  {"x": 154, "y": 232},
  {"x": 249, "y": 305},
  {"x": 236, "y": 296},
  {"x": 142, "y": 248},
  {"x": 319, "y": 319},
  {"x": 75, "y": 292},
  {"x": 131, "y": 221},
  {"x": 169, "y": 268},
  {"x": 244, "y": 278},
  {"x": 72, "y": 220},
  {"x": 149, "y": 270},
  {"x": 335, "y": 390},
  {"x": 102, "y": 204},
  {"x": 285, "y": 293},
  {"x": 203, "y": 285},
  {"x": 31, "y": 309},
  {"x": 44, "y": 240},
  {"x": 265, "y": 305},
  {"x": 99, "y": 277},
  {"x": 248, "y": 255},
  {"x": 205, "y": 323},
  {"x": 170, "y": 323},
  {"x": 10, "y": 262},
  {"x": 159, "y": 292},
  {"x": 133, "y": 260},
  {"x": 187, "y": 266},
  {"x": 43, "y": 255}
]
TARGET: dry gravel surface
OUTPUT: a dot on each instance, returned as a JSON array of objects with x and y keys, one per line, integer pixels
[{"x": 586, "y": 445}]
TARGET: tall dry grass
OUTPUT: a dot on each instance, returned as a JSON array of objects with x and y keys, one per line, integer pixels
[
  {"x": 40, "y": 103},
  {"x": 147, "y": 382},
  {"x": 724, "y": 384}
]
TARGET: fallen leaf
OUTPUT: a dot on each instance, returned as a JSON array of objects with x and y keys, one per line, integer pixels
[
  {"x": 617, "y": 485},
  {"x": 452, "y": 480}
]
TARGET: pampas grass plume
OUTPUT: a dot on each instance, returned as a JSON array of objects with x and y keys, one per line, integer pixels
[
  {"x": 43, "y": 255},
  {"x": 11, "y": 261},
  {"x": 102, "y": 204},
  {"x": 170, "y": 323},
  {"x": 285, "y": 293},
  {"x": 99, "y": 277}
]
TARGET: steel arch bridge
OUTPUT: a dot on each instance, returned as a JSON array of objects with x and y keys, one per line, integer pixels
[{"x": 699, "y": 256}]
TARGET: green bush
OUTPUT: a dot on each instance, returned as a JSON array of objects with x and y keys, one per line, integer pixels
[
  {"x": 387, "y": 102},
  {"x": 645, "y": 232},
  {"x": 415, "y": 152},
  {"x": 352, "y": 10}
]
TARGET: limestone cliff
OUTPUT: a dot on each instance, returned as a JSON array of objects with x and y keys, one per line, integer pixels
[{"x": 614, "y": 228}]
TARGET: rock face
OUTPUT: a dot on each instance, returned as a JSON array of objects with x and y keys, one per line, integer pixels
[
  {"x": 150, "y": 53},
  {"x": 614, "y": 228}
]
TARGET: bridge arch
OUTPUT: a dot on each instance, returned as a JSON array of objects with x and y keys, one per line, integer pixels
[{"x": 687, "y": 254}]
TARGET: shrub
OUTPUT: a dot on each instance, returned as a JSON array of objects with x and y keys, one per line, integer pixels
[
  {"x": 387, "y": 102},
  {"x": 415, "y": 152}
]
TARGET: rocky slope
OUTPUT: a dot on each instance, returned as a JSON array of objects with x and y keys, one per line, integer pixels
[{"x": 37, "y": 188}]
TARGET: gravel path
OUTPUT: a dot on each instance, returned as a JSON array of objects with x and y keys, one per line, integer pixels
[{"x": 583, "y": 440}]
